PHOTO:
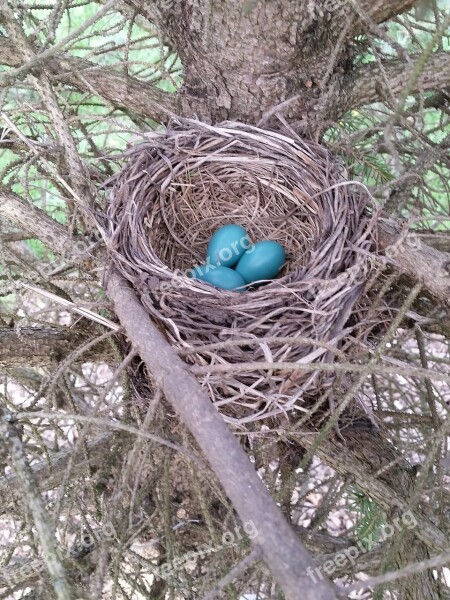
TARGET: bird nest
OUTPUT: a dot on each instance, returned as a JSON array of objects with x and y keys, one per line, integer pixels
[{"x": 260, "y": 352}]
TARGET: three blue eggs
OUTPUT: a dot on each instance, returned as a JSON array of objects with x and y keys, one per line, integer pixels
[{"x": 230, "y": 246}]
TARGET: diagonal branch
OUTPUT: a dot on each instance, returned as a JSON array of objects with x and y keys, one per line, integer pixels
[
  {"x": 336, "y": 454},
  {"x": 416, "y": 260},
  {"x": 383, "y": 10},
  {"x": 281, "y": 550},
  {"x": 121, "y": 91},
  {"x": 35, "y": 504},
  {"x": 44, "y": 346},
  {"x": 365, "y": 84},
  {"x": 32, "y": 219}
]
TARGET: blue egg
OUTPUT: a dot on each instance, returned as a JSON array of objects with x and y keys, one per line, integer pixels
[
  {"x": 261, "y": 261},
  {"x": 227, "y": 245},
  {"x": 221, "y": 277}
]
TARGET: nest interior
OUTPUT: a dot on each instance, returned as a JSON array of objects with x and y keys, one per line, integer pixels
[{"x": 257, "y": 352}]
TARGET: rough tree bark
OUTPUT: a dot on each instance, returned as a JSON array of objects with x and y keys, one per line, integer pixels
[{"x": 237, "y": 66}]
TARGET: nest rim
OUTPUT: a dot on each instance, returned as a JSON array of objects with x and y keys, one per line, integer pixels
[{"x": 176, "y": 170}]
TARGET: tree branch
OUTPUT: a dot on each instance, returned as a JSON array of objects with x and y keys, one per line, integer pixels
[
  {"x": 35, "y": 504},
  {"x": 281, "y": 550},
  {"x": 336, "y": 454},
  {"x": 365, "y": 84},
  {"x": 32, "y": 219},
  {"x": 123, "y": 92},
  {"x": 419, "y": 262},
  {"x": 383, "y": 10},
  {"x": 439, "y": 240},
  {"x": 43, "y": 346}
]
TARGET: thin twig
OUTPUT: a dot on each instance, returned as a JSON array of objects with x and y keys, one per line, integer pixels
[
  {"x": 51, "y": 416},
  {"x": 242, "y": 565}
]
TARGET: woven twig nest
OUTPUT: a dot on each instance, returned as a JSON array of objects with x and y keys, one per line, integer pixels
[{"x": 176, "y": 189}]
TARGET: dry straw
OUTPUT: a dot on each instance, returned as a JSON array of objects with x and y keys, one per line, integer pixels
[{"x": 176, "y": 189}]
